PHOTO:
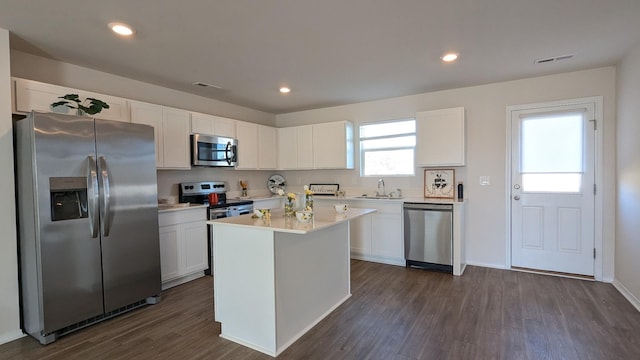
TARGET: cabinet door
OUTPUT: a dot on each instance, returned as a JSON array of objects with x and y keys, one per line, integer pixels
[
  {"x": 34, "y": 95},
  {"x": 224, "y": 127},
  {"x": 440, "y": 137},
  {"x": 287, "y": 148},
  {"x": 268, "y": 147},
  {"x": 360, "y": 231},
  {"x": 305, "y": 146},
  {"x": 247, "y": 134},
  {"x": 333, "y": 145},
  {"x": 194, "y": 246},
  {"x": 175, "y": 136},
  {"x": 150, "y": 114},
  {"x": 202, "y": 124},
  {"x": 169, "y": 252},
  {"x": 386, "y": 239}
]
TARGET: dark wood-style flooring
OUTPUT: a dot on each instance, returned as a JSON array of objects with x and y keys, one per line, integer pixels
[{"x": 394, "y": 313}]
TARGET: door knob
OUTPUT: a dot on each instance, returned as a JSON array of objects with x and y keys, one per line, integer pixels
[{"x": 517, "y": 197}]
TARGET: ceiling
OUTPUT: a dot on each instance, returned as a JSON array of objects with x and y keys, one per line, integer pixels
[{"x": 330, "y": 52}]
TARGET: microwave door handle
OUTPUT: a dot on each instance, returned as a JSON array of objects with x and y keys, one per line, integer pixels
[
  {"x": 228, "y": 149},
  {"x": 234, "y": 154},
  {"x": 93, "y": 196}
]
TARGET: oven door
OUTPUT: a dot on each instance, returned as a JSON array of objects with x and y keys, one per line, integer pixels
[
  {"x": 240, "y": 210},
  {"x": 213, "y": 150}
]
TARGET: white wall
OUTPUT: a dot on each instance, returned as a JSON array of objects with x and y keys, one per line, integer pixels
[
  {"x": 9, "y": 309},
  {"x": 486, "y": 149},
  {"x": 627, "y": 269},
  {"x": 37, "y": 68}
]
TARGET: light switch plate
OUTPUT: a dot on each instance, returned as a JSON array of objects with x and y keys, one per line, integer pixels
[{"x": 485, "y": 181}]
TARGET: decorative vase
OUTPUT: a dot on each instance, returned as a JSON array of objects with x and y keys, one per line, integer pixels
[
  {"x": 308, "y": 205},
  {"x": 289, "y": 208}
]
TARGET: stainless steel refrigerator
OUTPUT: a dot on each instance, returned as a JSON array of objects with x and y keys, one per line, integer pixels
[{"x": 88, "y": 221}]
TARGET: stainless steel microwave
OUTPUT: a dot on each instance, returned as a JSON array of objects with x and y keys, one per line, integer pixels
[{"x": 207, "y": 150}]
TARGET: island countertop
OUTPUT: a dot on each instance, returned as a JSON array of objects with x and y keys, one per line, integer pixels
[{"x": 323, "y": 217}]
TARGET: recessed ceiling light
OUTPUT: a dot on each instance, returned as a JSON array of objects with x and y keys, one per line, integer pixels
[
  {"x": 121, "y": 29},
  {"x": 285, "y": 90},
  {"x": 449, "y": 57}
]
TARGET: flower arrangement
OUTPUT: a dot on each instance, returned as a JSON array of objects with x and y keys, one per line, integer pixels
[
  {"x": 308, "y": 197},
  {"x": 289, "y": 204}
]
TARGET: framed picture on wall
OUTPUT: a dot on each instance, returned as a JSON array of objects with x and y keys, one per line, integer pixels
[{"x": 439, "y": 183}]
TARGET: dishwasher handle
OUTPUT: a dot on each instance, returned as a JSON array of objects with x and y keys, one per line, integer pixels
[{"x": 428, "y": 207}]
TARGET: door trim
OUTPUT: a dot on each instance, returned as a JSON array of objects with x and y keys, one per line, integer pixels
[{"x": 599, "y": 176}]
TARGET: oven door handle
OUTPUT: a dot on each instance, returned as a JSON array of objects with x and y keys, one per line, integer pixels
[{"x": 221, "y": 211}]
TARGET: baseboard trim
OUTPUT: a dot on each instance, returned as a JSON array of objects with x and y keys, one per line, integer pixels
[
  {"x": 627, "y": 294},
  {"x": 554, "y": 273},
  {"x": 9, "y": 336},
  {"x": 481, "y": 264}
]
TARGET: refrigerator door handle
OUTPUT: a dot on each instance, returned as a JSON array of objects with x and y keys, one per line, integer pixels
[
  {"x": 92, "y": 196},
  {"x": 105, "y": 210}
]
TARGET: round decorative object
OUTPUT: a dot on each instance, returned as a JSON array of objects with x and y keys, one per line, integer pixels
[{"x": 276, "y": 182}]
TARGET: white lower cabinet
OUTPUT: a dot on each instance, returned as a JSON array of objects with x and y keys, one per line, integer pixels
[
  {"x": 361, "y": 236},
  {"x": 183, "y": 245},
  {"x": 387, "y": 237},
  {"x": 379, "y": 236}
]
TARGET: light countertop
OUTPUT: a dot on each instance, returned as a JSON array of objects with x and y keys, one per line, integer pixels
[
  {"x": 179, "y": 206},
  {"x": 392, "y": 200},
  {"x": 323, "y": 217}
]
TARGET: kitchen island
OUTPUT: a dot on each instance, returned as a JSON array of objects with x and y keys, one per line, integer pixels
[{"x": 274, "y": 279}]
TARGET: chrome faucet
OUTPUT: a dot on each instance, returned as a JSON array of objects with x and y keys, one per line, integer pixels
[{"x": 381, "y": 186}]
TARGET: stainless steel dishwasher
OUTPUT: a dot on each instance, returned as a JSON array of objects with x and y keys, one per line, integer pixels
[{"x": 428, "y": 236}]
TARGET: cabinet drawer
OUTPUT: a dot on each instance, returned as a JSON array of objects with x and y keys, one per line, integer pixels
[{"x": 181, "y": 216}]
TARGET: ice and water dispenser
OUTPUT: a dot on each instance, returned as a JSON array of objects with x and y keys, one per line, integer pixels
[{"x": 68, "y": 196}]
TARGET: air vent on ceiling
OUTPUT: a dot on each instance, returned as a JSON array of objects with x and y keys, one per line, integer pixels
[
  {"x": 205, "y": 85},
  {"x": 552, "y": 59}
]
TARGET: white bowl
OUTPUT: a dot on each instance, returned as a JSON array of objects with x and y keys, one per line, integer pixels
[
  {"x": 304, "y": 216},
  {"x": 341, "y": 208}
]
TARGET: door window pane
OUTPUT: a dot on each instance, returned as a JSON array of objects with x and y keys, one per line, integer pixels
[{"x": 552, "y": 143}]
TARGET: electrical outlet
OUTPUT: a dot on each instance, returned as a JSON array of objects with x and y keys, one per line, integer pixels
[{"x": 485, "y": 180}]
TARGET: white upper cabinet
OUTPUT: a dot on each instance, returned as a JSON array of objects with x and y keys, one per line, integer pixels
[
  {"x": 175, "y": 126},
  {"x": 268, "y": 147},
  {"x": 247, "y": 135},
  {"x": 440, "y": 137},
  {"x": 288, "y": 148},
  {"x": 295, "y": 147},
  {"x": 150, "y": 114},
  {"x": 33, "y": 95},
  {"x": 212, "y": 125},
  {"x": 171, "y": 130},
  {"x": 333, "y": 145},
  {"x": 257, "y": 146}
]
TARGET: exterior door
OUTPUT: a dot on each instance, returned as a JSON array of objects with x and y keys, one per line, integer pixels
[{"x": 553, "y": 188}]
